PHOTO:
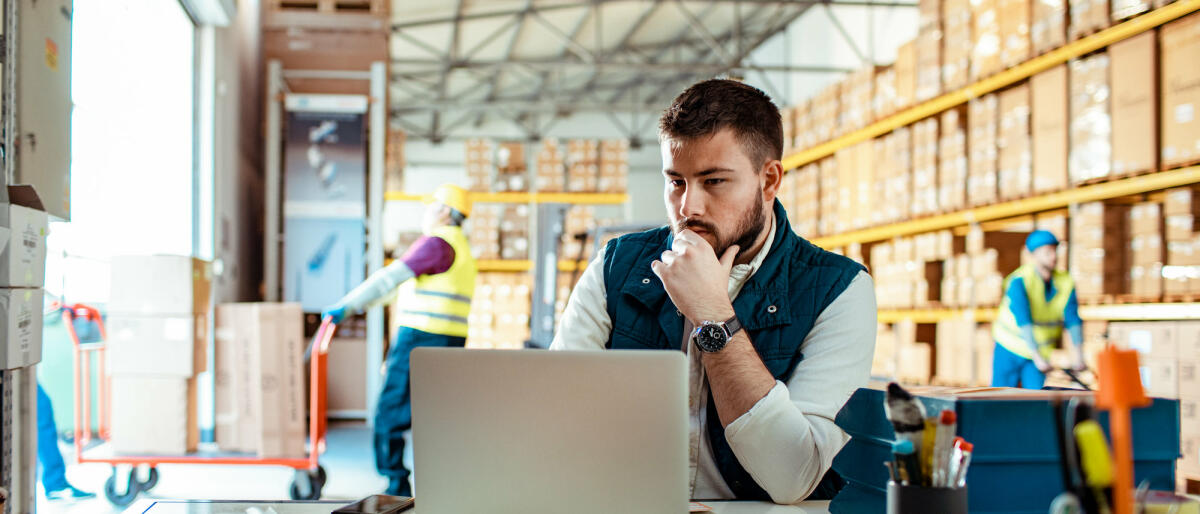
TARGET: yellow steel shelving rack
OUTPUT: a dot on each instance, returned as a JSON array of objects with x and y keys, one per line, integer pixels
[{"x": 1040, "y": 203}]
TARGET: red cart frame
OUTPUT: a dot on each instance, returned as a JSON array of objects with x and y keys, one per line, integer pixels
[{"x": 308, "y": 468}]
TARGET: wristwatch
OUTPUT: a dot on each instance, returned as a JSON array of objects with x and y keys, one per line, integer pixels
[{"x": 712, "y": 336}]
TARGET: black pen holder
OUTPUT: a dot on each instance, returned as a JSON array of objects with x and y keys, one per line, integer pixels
[{"x": 911, "y": 499}]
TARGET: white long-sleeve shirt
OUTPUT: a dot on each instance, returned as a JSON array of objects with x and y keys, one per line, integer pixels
[{"x": 788, "y": 439}]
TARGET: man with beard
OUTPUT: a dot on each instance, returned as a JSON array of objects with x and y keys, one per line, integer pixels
[{"x": 779, "y": 333}]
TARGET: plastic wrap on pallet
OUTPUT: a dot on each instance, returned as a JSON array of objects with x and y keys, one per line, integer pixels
[{"x": 1090, "y": 154}]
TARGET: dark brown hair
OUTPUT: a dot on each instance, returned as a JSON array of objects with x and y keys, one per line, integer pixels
[{"x": 713, "y": 105}]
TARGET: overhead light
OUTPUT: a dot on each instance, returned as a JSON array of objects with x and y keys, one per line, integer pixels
[{"x": 218, "y": 13}]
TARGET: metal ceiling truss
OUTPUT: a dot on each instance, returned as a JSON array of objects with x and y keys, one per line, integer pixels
[{"x": 613, "y": 78}]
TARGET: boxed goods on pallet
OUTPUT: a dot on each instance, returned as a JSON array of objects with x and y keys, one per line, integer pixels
[
  {"x": 1049, "y": 124},
  {"x": 1146, "y": 250},
  {"x": 1122, "y": 9},
  {"x": 1090, "y": 154},
  {"x": 952, "y": 160},
  {"x": 985, "y": 39},
  {"x": 826, "y": 109},
  {"x": 924, "y": 135},
  {"x": 583, "y": 165},
  {"x": 1134, "y": 73},
  {"x": 957, "y": 44},
  {"x": 982, "y": 127},
  {"x": 1014, "y": 29},
  {"x": 512, "y": 171},
  {"x": 614, "y": 166},
  {"x": 1181, "y": 209},
  {"x": 1014, "y": 144},
  {"x": 884, "y": 94},
  {"x": 484, "y": 231},
  {"x": 1179, "y": 42},
  {"x": 1049, "y": 28},
  {"x": 855, "y": 105},
  {"x": 478, "y": 165},
  {"x": 500, "y": 311},
  {"x": 549, "y": 173},
  {"x": 906, "y": 75},
  {"x": 1098, "y": 261},
  {"x": 1087, "y": 17},
  {"x": 514, "y": 232},
  {"x": 804, "y": 211},
  {"x": 927, "y": 50},
  {"x": 805, "y": 136},
  {"x": 787, "y": 122}
]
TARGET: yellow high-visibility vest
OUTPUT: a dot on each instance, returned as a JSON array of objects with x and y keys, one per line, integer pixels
[
  {"x": 1047, "y": 316},
  {"x": 439, "y": 304}
]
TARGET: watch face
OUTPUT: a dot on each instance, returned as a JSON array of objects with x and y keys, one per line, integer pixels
[{"x": 711, "y": 338}]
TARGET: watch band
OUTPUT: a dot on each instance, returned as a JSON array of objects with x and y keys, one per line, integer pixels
[{"x": 732, "y": 326}]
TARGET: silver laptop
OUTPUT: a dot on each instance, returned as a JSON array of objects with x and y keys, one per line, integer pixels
[{"x": 526, "y": 431}]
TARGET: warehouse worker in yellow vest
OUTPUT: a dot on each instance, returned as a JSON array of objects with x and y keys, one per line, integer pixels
[
  {"x": 434, "y": 313},
  {"x": 1039, "y": 301}
]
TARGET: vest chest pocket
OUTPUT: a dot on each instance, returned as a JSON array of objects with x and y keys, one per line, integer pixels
[{"x": 625, "y": 337}]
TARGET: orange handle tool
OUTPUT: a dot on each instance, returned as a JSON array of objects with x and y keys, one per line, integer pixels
[{"x": 1121, "y": 390}]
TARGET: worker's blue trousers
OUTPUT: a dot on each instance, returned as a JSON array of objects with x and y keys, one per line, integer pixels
[
  {"x": 54, "y": 470},
  {"x": 1009, "y": 369},
  {"x": 393, "y": 414}
]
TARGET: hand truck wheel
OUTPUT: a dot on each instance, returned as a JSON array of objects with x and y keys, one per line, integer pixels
[
  {"x": 307, "y": 485},
  {"x": 124, "y": 496}
]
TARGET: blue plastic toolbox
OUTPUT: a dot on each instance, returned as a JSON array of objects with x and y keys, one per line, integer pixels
[{"x": 1014, "y": 468}]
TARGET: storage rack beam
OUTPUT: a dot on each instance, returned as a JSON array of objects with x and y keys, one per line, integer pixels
[
  {"x": 522, "y": 197},
  {"x": 1048, "y": 202},
  {"x": 1084, "y": 46},
  {"x": 1111, "y": 312}
]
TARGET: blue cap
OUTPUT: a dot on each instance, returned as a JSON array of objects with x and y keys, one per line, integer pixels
[
  {"x": 1040, "y": 238},
  {"x": 902, "y": 447}
]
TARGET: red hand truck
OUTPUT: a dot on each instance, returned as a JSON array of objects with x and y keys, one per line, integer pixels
[{"x": 306, "y": 484}]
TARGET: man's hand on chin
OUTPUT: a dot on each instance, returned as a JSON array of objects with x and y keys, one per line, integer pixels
[{"x": 695, "y": 279}]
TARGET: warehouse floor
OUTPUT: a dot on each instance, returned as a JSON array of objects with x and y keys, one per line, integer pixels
[{"x": 348, "y": 461}]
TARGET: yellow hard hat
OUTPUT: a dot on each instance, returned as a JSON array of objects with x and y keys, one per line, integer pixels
[{"x": 454, "y": 197}]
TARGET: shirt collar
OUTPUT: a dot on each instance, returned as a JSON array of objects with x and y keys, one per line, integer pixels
[{"x": 742, "y": 272}]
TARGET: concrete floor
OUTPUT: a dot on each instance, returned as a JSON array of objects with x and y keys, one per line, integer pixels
[{"x": 348, "y": 461}]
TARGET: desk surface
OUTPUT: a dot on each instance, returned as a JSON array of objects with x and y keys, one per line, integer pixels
[{"x": 324, "y": 507}]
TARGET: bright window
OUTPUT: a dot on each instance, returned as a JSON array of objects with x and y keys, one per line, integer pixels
[{"x": 132, "y": 141}]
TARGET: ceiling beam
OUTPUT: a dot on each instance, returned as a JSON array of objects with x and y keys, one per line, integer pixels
[{"x": 609, "y": 66}]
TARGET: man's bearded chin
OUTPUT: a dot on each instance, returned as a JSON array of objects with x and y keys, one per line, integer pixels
[{"x": 747, "y": 232}]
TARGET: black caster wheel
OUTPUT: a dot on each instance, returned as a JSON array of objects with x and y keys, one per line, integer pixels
[
  {"x": 307, "y": 485},
  {"x": 125, "y": 497},
  {"x": 151, "y": 480}
]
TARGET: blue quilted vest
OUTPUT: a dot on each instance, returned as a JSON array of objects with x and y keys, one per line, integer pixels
[{"x": 777, "y": 306}]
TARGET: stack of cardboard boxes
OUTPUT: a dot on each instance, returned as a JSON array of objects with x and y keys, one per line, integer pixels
[
  {"x": 512, "y": 168},
  {"x": 957, "y": 44},
  {"x": 614, "y": 166},
  {"x": 514, "y": 231},
  {"x": 483, "y": 230},
  {"x": 855, "y": 106},
  {"x": 914, "y": 352},
  {"x": 981, "y": 174},
  {"x": 23, "y": 229},
  {"x": 1134, "y": 73},
  {"x": 1049, "y": 125},
  {"x": 963, "y": 353},
  {"x": 1090, "y": 154},
  {"x": 986, "y": 40},
  {"x": 933, "y": 24},
  {"x": 1016, "y": 45},
  {"x": 803, "y": 210},
  {"x": 908, "y": 270},
  {"x": 1181, "y": 208},
  {"x": 1014, "y": 144},
  {"x": 1168, "y": 359},
  {"x": 925, "y": 167},
  {"x": 804, "y": 134},
  {"x": 260, "y": 379},
  {"x": 856, "y": 169},
  {"x": 829, "y": 191},
  {"x": 578, "y": 226},
  {"x": 500, "y": 311},
  {"x": 549, "y": 174},
  {"x": 1180, "y": 92},
  {"x": 1098, "y": 238},
  {"x": 787, "y": 121},
  {"x": 1049, "y": 27},
  {"x": 826, "y": 109},
  {"x": 976, "y": 277},
  {"x": 157, "y": 331},
  {"x": 952, "y": 160},
  {"x": 583, "y": 165},
  {"x": 1087, "y": 17},
  {"x": 892, "y": 187},
  {"x": 1146, "y": 251},
  {"x": 886, "y": 97},
  {"x": 479, "y": 165},
  {"x": 1122, "y": 9},
  {"x": 906, "y": 76}
]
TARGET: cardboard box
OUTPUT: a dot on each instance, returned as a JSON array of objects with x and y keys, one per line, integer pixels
[
  {"x": 1134, "y": 78},
  {"x": 1016, "y": 46},
  {"x": 957, "y": 45},
  {"x": 1087, "y": 17},
  {"x": 159, "y": 284},
  {"x": 985, "y": 348},
  {"x": 21, "y": 315},
  {"x": 153, "y": 415},
  {"x": 981, "y": 175},
  {"x": 1152, "y": 339},
  {"x": 1160, "y": 377},
  {"x": 1015, "y": 165},
  {"x": 263, "y": 343},
  {"x": 1180, "y": 93},
  {"x": 906, "y": 75},
  {"x": 985, "y": 39},
  {"x": 23, "y": 239},
  {"x": 1122, "y": 9},
  {"x": 1050, "y": 128},
  {"x": 1049, "y": 27},
  {"x": 952, "y": 160},
  {"x": 1181, "y": 200},
  {"x": 169, "y": 346},
  {"x": 1091, "y": 123}
]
